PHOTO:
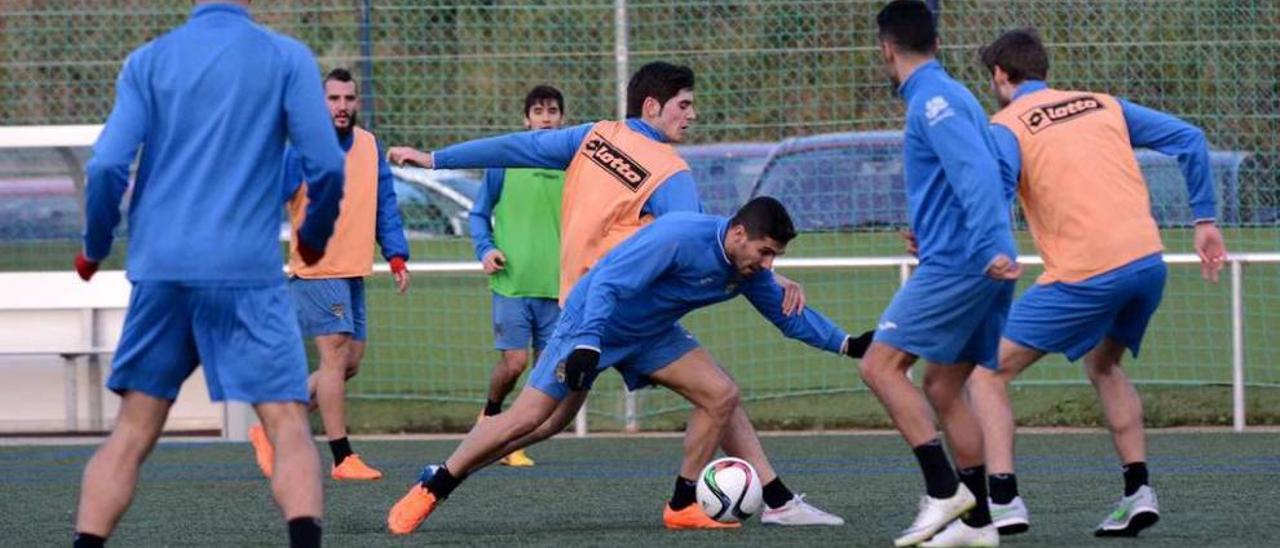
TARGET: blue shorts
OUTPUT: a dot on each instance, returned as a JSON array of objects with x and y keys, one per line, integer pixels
[
  {"x": 517, "y": 321},
  {"x": 946, "y": 318},
  {"x": 331, "y": 306},
  {"x": 1072, "y": 318},
  {"x": 245, "y": 337},
  {"x": 635, "y": 361}
]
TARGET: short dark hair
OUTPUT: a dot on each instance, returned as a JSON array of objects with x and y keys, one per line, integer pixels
[
  {"x": 909, "y": 26},
  {"x": 1020, "y": 53},
  {"x": 765, "y": 216},
  {"x": 659, "y": 80},
  {"x": 541, "y": 94},
  {"x": 340, "y": 74}
]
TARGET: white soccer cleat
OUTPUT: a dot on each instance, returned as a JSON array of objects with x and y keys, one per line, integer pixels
[
  {"x": 1132, "y": 514},
  {"x": 1012, "y": 518},
  {"x": 798, "y": 512},
  {"x": 960, "y": 534},
  {"x": 935, "y": 514}
]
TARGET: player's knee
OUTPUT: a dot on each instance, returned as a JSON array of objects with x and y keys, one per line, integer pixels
[
  {"x": 726, "y": 399},
  {"x": 515, "y": 361},
  {"x": 353, "y": 368},
  {"x": 940, "y": 392}
]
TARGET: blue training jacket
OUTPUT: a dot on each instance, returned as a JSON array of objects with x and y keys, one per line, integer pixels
[
  {"x": 673, "y": 266},
  {"x": 211, "y": 104},
  {"x": 959, "y": 213}
]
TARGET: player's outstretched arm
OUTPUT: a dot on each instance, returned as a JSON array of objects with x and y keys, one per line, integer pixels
[
  {"x": 808, "y": 326},
  {"x": 543, "y": 148},
  {"x": 107, "y": 172}
]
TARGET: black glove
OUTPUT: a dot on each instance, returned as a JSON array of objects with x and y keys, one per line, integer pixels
[
  {"x": 855, "y": 347},
  {"x": 580, "y": 366}
]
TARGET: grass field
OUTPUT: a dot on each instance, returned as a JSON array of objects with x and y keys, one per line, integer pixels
[
  {"x": 1216, "y": 489},
  {"x": 432, "y": 349}
]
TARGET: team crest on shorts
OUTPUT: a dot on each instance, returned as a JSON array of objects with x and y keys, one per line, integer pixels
[
  {"x": 337, "y": 309},
  {"x": 560, "y": 373}
]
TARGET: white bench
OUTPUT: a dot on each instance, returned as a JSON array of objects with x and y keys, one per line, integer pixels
[{"x": 51, "y": 316}]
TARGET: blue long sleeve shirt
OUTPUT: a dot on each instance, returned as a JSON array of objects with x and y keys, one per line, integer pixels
[
  {"x": 1148, "y": 128},
  {"x": 481, "y": 216},
  {"x": 674, "y": 266},
  {"x": 389, "y": 230},
  {"x": 555, "y": 149},
  {"x": 211, "y": 104},
  {"x": 958, "y": 210}
]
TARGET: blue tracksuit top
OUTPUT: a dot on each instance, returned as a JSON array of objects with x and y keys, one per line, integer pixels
[
  {"x": 554, "y": 149},
  {"x": 211, "y": 104},
  {"x": 1148, "y": 128},
  {"x": 958, "y": 210},
  {"x": 673, "y": 266},
  {"x": 389, "y": 227}
]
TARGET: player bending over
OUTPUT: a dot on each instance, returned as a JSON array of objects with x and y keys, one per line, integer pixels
[{"x": 624, "y": 314}]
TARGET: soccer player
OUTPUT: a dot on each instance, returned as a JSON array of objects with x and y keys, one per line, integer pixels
[
  {"x": 211, "y": 104},
  {"x": 619, "y": 176},
  {"x": 1070, "y": 156},
  {"x": 951, "y": 310},
  {"x": 624, "y": 314},
  {"x": 516, "y": 231},
  {"x": 329, "y": 294}
]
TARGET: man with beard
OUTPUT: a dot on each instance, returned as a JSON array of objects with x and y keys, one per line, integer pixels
[{"x": 329, "y": 294}]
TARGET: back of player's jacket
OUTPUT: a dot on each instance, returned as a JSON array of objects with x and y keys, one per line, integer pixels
[
  {"x": 211, "y": 104},
  {"x": 955, "y": 198}
]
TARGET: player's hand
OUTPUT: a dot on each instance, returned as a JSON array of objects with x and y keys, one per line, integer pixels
[
  {"x": 913, "y": 247},
  {"x": 494, "y": 261},
  {"x": 84, "y": 267},
  {"x": 578, "y": 368},
  {"x": 403, "y": 156},
  {"x": 1211, "y": 249},
  {"x": 856, "y": 347},
  {"x": 309, "y": 254},
  {"x": 1004, "y": 268},
  {"x": 401, "y": 273},
  {"x": 792, "y": 295}
]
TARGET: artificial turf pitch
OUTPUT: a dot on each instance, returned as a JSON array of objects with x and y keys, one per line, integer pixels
[{"x": 1216, "y": 489}]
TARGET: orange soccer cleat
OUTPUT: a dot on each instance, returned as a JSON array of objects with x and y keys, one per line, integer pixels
[
  {"x": 411, "y": 510},
  {"x": 692, "y": 517},
  {"x": 352, "y": 468},
  {"x": 262, "y": 448}
]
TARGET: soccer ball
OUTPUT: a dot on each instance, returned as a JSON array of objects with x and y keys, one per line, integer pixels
[{"x": 729, "y": 490}]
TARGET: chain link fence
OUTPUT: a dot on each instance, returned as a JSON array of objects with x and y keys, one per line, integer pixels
[{"x": 434, "y": 73}]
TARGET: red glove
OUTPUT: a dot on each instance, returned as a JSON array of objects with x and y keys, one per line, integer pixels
[
  {"x": 309, "y": 255},
  {"x": 84, "y": 267},
  {"x": 397, "y": 264}
]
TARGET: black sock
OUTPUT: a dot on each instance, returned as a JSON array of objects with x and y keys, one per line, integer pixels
[
  {"x": 88, "y": 540},
  {"x": 304, "y": 533},
  {"x": 776, "y": 494},
  {"x": 939, "y": 479},
  {"x": 442, "y": 483},
  {"x": 492, "y": 408},
  {"x": 1135, "y": 476},
  {"x": 341, "y": 448},
  {"x": 1004, "y": 488},
  {"x": 686, "y": 493},
  {"x": 976, "y": 480}
]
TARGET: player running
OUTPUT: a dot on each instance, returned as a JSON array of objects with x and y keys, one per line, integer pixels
[
  {"x": 951, "y": 309},
  {"x": 516, "y": 231},
  {"x": 329, "y": 295},
  {"x": 619, "y": 177},
  {"x": 204, "y": 256},
  {"x": 624, "y": 314},
  {"x": 1070, "y": 156}
]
